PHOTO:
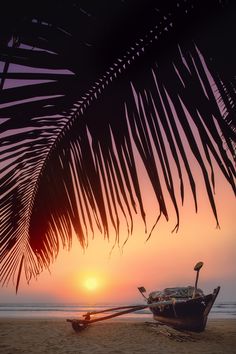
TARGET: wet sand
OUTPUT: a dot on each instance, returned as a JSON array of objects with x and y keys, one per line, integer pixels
[{"x": 56, "y": 336}]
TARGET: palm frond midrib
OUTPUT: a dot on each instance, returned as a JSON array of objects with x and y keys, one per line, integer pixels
[{"x": 114, "y": 71}]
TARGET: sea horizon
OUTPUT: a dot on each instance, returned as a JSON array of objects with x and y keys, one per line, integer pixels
[{"x": 220, "y": 310}]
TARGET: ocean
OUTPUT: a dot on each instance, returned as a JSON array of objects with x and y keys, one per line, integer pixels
[{"x": 49, "y": 310}]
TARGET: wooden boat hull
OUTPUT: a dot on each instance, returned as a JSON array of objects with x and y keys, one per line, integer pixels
[{"x": 186, "y": 315}]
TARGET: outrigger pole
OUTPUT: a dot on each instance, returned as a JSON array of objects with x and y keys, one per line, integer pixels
[{"x": 79, "y": 325}]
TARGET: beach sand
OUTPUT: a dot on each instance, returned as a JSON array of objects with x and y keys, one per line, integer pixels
[{"x": 118, "y": 336}]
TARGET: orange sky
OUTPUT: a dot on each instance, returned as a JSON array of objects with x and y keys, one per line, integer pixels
[{"x": 165, "y": 260}]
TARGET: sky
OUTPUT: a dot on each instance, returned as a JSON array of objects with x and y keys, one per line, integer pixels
[{"x": 98, "y": 276}]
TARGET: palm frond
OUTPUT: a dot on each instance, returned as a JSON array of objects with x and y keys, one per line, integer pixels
[{"x": 90, "y": 97}]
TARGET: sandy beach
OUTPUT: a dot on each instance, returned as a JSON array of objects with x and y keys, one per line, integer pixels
[{"x": 57, "y": 336}]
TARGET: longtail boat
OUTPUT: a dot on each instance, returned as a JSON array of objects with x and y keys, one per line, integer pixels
[{"x": 182, "y": 308}]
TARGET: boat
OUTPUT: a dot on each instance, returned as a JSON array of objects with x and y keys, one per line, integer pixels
[
  {"x": 182, "y": 308},
  {"x": 183, "y": 313}
]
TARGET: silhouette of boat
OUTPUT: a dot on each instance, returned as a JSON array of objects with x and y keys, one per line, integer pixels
[{"x": 177, "y": 308}]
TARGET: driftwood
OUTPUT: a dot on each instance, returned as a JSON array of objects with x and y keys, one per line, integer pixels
[{"x": 171, "y": 333}]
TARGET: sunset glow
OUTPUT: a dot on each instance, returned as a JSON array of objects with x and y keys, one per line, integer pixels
[{"x": 91, "y": 284}]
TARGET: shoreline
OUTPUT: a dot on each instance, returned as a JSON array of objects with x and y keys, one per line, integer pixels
[{"x": 56, "y": 336}]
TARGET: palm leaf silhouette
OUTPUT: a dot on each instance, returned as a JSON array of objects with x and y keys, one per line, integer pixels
[{"x": 87, "y": 89}]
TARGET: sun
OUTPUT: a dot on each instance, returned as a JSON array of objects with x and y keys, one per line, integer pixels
[{"x": 91, "y": 284}]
